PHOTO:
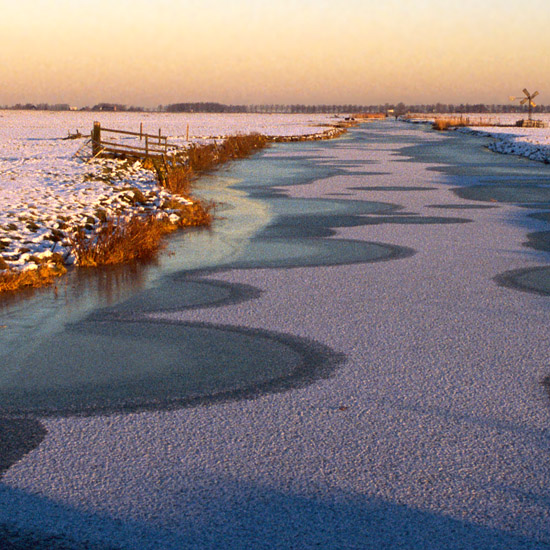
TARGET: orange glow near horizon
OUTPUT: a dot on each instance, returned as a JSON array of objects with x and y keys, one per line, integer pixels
[{"x": 147, "y": 53}]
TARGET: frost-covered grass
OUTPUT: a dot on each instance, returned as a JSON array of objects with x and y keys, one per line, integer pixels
[{"x": 48, "y": 194}]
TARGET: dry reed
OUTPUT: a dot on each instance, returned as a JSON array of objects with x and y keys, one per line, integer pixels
[
  {"x": 11, "y": 280},
  {"x": 119, "y": 241},
  {"x": 138, "y": 238},
  {"x": 444, "y": 123},
  {"x": 196, "y": 214},
  {"x": 178, "y": 180},
  {"x": 201, "y": 158}
]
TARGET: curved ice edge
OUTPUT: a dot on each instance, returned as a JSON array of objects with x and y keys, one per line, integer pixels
[
  {"x": 19, "y": 436},
  {"x": 318, "y": 362},
  {"x": 509, "y": 279}
]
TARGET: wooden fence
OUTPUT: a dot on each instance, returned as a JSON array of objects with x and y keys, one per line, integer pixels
[
  {"x": 150, "y": 145},
  {"x": 156, "y": 148}
]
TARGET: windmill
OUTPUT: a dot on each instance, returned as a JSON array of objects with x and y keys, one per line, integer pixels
[{"x": 527, "y": 99}]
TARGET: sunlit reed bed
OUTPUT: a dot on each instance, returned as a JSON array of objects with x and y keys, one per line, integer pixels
[{"x": 137, "y": 236}]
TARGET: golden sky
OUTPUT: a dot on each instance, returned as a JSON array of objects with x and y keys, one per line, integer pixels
[{"x": 150, "y": 52}]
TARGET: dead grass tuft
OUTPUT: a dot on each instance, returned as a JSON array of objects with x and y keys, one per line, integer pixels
[
  {"x": 196, "y": 214},
  {"x": 206, "y": 157},
  {"x": 178, "y": 180},
  {"x": 240, "y": 146},
  {"x": 442, "y": 124},
  {"x": 137, "y": 238},
  {"x": 11, "y": 280},
  {"x": 119, "y": 241},
  {"x": 201, "y": 158}
]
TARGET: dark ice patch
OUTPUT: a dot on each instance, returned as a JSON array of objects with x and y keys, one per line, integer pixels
[
  {"x": 298, "y": 251},
  {"x": 535, "y": 279},
  {"x": 462, "y": 206},
  {"x": 546, "y": 384},
  {"x": 96, "y": 366},
  {"x": 520, "y": 194},
  {"x": 420, "y": 220},
  {"x": 180, "y": 292},
  {"x": 541, "y": 216},
  {"x": 539, "y": 240},
  {"x": 391, "y": 188},
  {"x": 18, "y": 436}
]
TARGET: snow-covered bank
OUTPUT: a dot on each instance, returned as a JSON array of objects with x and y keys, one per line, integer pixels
[
  {"x": 46, "y": 191},
  {"x": 532, "y": 143}
]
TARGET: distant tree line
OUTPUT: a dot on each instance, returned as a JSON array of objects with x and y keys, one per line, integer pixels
[
  {"x": 267, "y": 108},
  {"x": 67, "y": 107},
  {"x": 212, "y": 107},
  {"x": 399, "y": 108},
  {"x": 39, "y": 107}
]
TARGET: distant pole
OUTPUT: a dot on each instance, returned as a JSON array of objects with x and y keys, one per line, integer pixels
[
  {"x": 96, "y": 139},
  {"x": 187, "y": 136}
]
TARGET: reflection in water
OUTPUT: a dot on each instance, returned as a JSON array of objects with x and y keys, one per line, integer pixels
[
  {"x": 30, "y": 325},
  {"x": 111, "y": 284}
]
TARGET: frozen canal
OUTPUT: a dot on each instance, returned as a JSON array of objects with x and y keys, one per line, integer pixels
[{"x": 355, "y": 357}]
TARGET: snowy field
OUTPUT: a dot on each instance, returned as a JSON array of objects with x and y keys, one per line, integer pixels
[{"x": 45, "y": 190}]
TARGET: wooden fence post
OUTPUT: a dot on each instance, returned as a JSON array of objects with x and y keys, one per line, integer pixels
[
  {"x": 146, "y": 146},
  {"x": 96, "y": 139}
]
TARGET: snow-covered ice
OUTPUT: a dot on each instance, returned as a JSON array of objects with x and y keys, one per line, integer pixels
[
  {"x": 533, "y": 143},
  {"x": 430, "y": 433}
]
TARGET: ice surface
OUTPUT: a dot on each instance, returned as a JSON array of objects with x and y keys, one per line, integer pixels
[{"x": 433, "y": 433}]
